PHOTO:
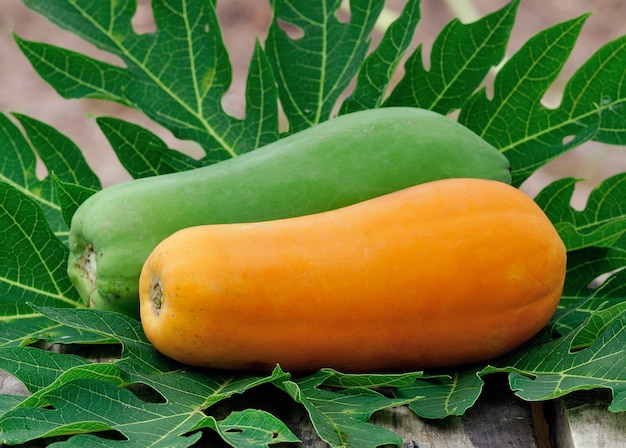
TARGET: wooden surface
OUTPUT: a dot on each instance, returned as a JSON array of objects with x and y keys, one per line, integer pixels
[
  {"x": 498, "y": 420},
  {"x": 582, "y": 421}
]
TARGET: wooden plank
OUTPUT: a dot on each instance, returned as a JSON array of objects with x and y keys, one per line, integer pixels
[
  {"x": 497, "y": 420},
  {"x": 581, "y": 420},
  {"x": 9, "y": 385}
]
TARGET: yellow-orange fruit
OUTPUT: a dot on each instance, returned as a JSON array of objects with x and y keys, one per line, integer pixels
[{"x": 445, "y": 273}]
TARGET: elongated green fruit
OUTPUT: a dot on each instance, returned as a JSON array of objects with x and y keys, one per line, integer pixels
[{"x": 340, "y": 162}]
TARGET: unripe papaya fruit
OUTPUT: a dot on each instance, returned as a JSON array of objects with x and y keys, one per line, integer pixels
[
  {"x": 339, "y": 162},
  {"x": 445, "y": 273}
]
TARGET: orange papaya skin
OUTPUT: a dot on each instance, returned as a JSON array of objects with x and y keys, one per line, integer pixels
[{"x": 442, "y": 274}]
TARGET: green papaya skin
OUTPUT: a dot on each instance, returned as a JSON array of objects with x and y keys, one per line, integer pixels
[{"x": 339, "y": 162}]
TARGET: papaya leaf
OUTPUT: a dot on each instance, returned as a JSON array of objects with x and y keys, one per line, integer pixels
[
  {"x": 262, "y": 116},
  {"x": 60, "y": 156},
  {"x": 432, "y": 396},
  {"x": 340, "y": 418},
  {"x": 184, "y": 96},
  {"x": 143, "y": 364},
  {"x": 44, "y": 370},
  {"x": 252, "y": 428},
  {"x": 141, "y": 152},
  {"x": 8, "y": 402},
  {"x": 70, "y": 196},
  {"x": 314, "y": 69},
  {"x": 443, "y": 395},
  {"x": 556, "y": 368},
  {"x": 114, "y": 326},
  {"x": 586, "y": 268},
  {"x": 531, "y": 134},
  {"x": 182, "y": 392},
  {"x": 599, "y": 312},
  {"x": 601, "y": 224},
  {"x": 461, "y": 57},
  {"x": 29, "y": 241},
  {"x": 595, "y": 281},
  {"x": 74, "y": 75},
  {"x": 377, "y": 70},
  {"x": 346, "y": 381},
  {"x": 596, "y": 242},
  {"x": 77, "y": 408}
]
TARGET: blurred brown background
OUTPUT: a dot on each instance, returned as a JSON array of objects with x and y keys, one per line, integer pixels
[{"x": 21, "y": 90}]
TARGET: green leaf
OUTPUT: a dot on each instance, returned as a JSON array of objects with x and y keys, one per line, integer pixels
[
  {"x": 78, "y": 408},
  {"x": 59, "y": 155},
  {"x": 262, "y": 116},
  {"x": 556, "y": 368},
  {"x": 37, "y": 368},
  {"x": 599, "y": 316},
  {"x": 530, "y": 134},
  {"x": 8, "y": 402},
  {"x": 461, "y": 57},
  {"x": 252, "y": 428},
  {"x": 360, "y": 380},
  {"x": 42, "y": 371},
  {"x": 378, "y": 68},
  {"x": 113, "y": 326},
  {"x": 601, "y": 224},
  {"x": 592, "y": 287},
  {"x": 143, "y": 364},
  {"x": 74, "y": 75},
  {"x": 314, "y": 69},
  {"x": 185, "y": 392},
  {"x": 29, "y": 242},
  {"x": 141, "y": 152},
  {"x": 184, "y": 96},
  {"x": 443, "y": 395},
  {"x": 340, "y": 418},
  {"x": 70, "y": 196}
]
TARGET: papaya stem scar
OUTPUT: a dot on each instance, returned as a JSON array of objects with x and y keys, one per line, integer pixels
[{"x": 156, "y": 293}]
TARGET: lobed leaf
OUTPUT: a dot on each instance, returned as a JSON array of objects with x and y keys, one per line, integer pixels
[
  {"x": 601, "y": 224},
  {"x": 18, "y": 166},
  {"x": 141, "y": 152},
  {"x": 314, "y": 69},
  {"x": 340, "y": 418},
  {"x": 77, "y": 408},
  {"x": 461, "y": 57},
  {"x": 182, "y": 393},
  {"x": 74, "y": 75},
  {"x": 378, "y": 68},
  {"x": 443, "y": 395},
  {"x": 42, "y": 371},
  {"x": 369, "y": 381},
  {"x": 252, "y": 428},
  {"x": 531, "y": 134},
  {"x": 33, "y": 261},
  {"x": 555, "y": 368},
  {"x": 70, "y": 196},
  {"x": 176, "y": 75}
]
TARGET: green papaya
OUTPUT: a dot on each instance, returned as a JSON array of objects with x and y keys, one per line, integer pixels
[{"x": 342, "y": 161}]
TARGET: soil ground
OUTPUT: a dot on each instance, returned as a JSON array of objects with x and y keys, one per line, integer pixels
[{"x": 21, "y": 90}]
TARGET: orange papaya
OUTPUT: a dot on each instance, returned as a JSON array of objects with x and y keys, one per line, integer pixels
[{"x": 440, "y": 274}]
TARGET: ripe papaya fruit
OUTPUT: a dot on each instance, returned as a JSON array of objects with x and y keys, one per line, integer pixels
[
  {"x": 441, "y": 274},
  {"x": 339, "y": 162}
]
